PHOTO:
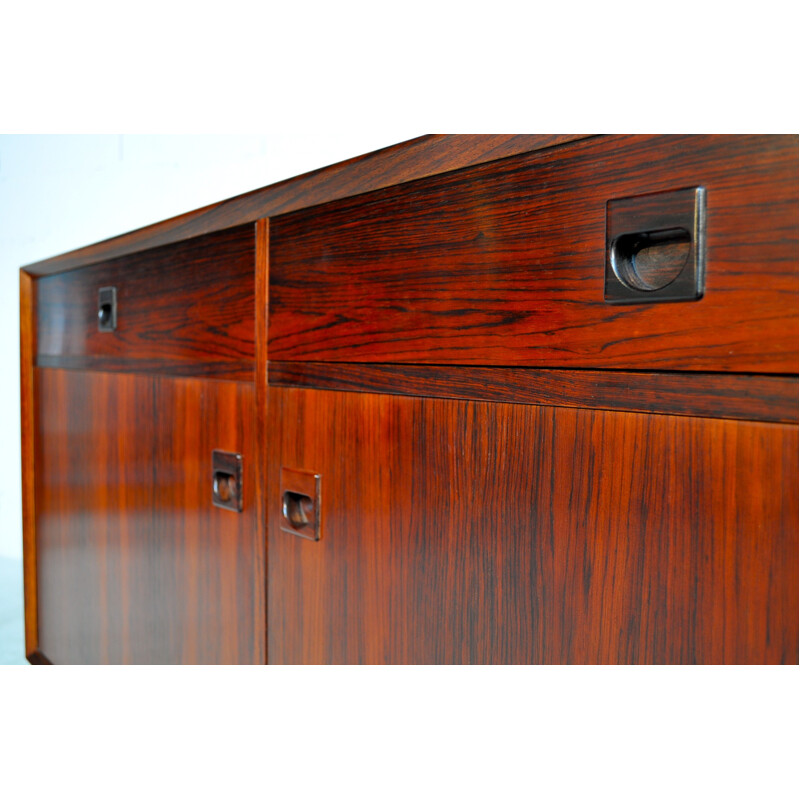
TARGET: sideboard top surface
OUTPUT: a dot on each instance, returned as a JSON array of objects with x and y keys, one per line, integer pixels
[{"x": 417, "y": 158}]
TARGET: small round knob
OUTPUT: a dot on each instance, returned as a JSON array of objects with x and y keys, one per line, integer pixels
[{"x": 104, "y": 314}]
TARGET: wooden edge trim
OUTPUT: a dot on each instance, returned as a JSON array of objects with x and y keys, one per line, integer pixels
[
  {"x": 728, "y": 396},
  {"x": 243, "y": 371},
  {"x": 400, "y": 163},
  {"x": 27, "y": 354},
  {"x": 37, "y": 657},
  {"x": 262, "y": 304}
]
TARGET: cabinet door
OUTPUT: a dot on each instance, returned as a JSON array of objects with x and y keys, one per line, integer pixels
[
  {"x": 476, "y": 532},
  {"x": 135, "y": 564}
]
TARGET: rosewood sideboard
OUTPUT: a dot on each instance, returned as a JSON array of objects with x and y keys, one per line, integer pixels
[{"x": 468, "y": 399}]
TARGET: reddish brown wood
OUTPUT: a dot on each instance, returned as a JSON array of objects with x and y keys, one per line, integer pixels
[
  {"x": 417, "y": 158},
  {"x": 503, "y": 264},
  {"x": 459, "y": 531},
  {"x": 186, "y": 308},
  {"x": 135, "y": 563},
  {"x": 225, "y": 370},
  {"x": 755, "y": 397},
  {"x": 262, "y": 442},
  {"x": 27, "y": 353},
  {"x": 543, "y": 523}
]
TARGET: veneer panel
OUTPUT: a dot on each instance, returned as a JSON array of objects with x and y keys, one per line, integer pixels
[
  {"x": 135, "y": 564},
  {"x": 185, "y": 309},
  {"x": 473, "y": 532},
  {"x": 504, "y": 264}
]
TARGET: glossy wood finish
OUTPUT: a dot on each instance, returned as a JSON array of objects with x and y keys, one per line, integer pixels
[
  {"x": 503, "y": 264},
  {"x": 27, "y": 350},
  {"x": 459, "y": 531},
  {"x": 407, "y": 161},
  {"x": 470, "y": 512},
  {"x": 135, "y": 563},
  {"x": 183, "y": 309},
  {"x": 756, "y": 397}
]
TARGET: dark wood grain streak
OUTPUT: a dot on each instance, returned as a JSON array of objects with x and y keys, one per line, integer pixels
[
  {"x": 179, "y": 368},
  {"x": 185, "y": 309},
  {"x": 135, "y": 563},
  {"x": 27, "y": 353},
  {"x": 464, "y": 532},
  {"x": 417, "y": 158},
  {"x": 756, "y": 397},
  {"x": 262, "y": 413},
  {"x": 503, "y": 264}
]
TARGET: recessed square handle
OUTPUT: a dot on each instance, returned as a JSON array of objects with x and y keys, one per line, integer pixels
[
  {"x": 655, "y": 247},
  {"x": 107, "y": 309},
  {"x": 226, "y": 480},
  {"x": 300, "y": 503}
]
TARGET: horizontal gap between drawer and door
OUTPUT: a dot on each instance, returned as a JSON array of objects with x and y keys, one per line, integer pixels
[
  {"x": 241, "y": 371},
  {"x": 766, "y": 398}
]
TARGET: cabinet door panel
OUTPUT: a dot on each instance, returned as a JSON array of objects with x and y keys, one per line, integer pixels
[
  {"x": 473, "y": 532},
  {"x": 135, "y": 564}
]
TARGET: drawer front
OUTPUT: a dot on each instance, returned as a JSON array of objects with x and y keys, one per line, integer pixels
[
  {"x": 184, "y": 309},
  {"x": 504, "y": 263}
]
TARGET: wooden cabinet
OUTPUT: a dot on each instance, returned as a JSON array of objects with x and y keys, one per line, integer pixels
[{"x": 456, "y": 446}]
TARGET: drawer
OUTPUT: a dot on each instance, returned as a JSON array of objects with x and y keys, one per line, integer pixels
[
  {"x": 505, "y": 263},
  {"x": 183, "y": 309}
]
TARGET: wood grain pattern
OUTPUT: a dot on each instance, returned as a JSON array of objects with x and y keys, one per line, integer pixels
[
  {"x": 503, "y": 264},
  {"x": 185, "y": 309},
  {"x": 756, "y": 397},
  {"x": 27, "y": 354},
  {"x": 135, "y": 563},
  {"x": 464, "y": 532},
  {"x": 417, "y": 158}
]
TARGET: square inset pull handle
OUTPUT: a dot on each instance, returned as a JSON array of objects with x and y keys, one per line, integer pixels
[
  {"x": 300, "y": 503},
  {"x": 655, "y": 247},
  {"x": 226, "y": 477},
  {"x": 107, "y": 309}
]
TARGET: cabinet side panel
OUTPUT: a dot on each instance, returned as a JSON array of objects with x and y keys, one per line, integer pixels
[
  {"x": 471, "y": 532},
  {"x": 135, "y": 563},
  {"x": 27, "y": 354}
]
